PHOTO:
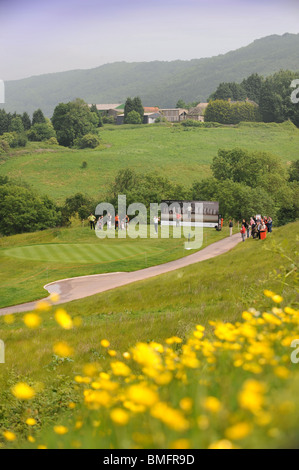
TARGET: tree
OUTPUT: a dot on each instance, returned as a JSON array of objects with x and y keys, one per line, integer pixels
[
  {"x": 134, "y": 104},
  {"x": 16, "y": 125},
  {"x": 22, "y": 210},
  {"x": 253, "y": 85},
  {"x": 225, "y": 112},
  {"x": 95, "y": 110},
  {"x": 41, "y": 132},
  {"x": 38, "y": 117},
  {"x": 133, "y": 118},
  {"x": 26, "y": 121},
  {"x": 72, "y": 121},
  {"x": 294, "y": 171}
]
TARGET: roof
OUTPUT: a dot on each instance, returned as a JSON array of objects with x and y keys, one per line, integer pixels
[
  {"x": 106, "y": 107},
  {"x": 151, "y": 109},
  {"x": 198, "y": 110}
]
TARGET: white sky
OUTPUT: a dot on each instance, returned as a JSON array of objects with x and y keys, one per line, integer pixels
[{"x": 43, "y": 36}]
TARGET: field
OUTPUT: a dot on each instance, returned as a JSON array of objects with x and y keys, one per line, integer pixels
[
  {"x": 182, "y": 154},
  {"x": 202, "y": 408},
  {"x": 29, "y": 261}
]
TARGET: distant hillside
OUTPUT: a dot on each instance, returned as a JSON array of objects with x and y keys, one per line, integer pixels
[{"x": 157, "y": 83}]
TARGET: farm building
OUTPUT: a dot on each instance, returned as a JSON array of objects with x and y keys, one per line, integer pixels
[
  {"x": 197, "y": 113},
  {"x": 174, "y": 114},
  {"x": 110, "y": 109},
  {"x": 148, "y": 118}
]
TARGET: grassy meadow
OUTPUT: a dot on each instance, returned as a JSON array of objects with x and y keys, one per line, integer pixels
[
  {"x": 231, "y": 384},
  {"x": 182, "y": 154}
]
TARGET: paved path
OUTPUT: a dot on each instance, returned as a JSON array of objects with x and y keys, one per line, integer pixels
[{"x": 80, "y": 287}]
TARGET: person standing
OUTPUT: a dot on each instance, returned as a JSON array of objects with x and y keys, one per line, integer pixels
[
  {"x": 92, "y": 220},
  {"x": 243, "y": 231},
  {"x": 116, "y": 222},
  {"x": 269, "y": 225},
  {"x": 156, "y": 222},
  {"x": 230, "y": 227}
]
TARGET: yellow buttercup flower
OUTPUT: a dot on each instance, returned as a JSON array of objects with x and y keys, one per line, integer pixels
[
  {"x": 173, "y": 340},
  {"x": 222, "y": 444},
  {"x": 119, "y": 416},
  {"x": 62, "y": 349},
  {"x": 277, "y": 299},
  {"x": 43, "y": 306},
  {"x": 54, "y": 297},
  {"x": 282, "y": 372},
  {"x": 30, "y": 439},
  {"x": 142, "y": 395},
  {"x": 212, "y": 404},
  {"x": 119, "y": 368},
  {"x": 32, "y": 320},
  {"x": 181, "y": 444},
  {"x": 105, "y": 343},
  {"x": 60, "y": 429},
  {"x": 23, "y": 391},
  {"x": 31, "y": 421},
  {"x": 9, "y": 436},
  {"x": 186, "y": 404},
  {"x": 238, "y": 431},
  {"x": 64, "y": 319}
]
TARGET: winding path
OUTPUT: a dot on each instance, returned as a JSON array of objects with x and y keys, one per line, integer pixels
[{"x": 80, "y": 287}]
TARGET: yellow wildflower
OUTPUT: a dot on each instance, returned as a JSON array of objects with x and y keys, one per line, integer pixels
[
  {"x": 31, "y": 421},
  {"x": 60, "y": 429},
  {"x": 142, "y": 395},
  {"x": 212, "y": 404},
  {"x": 238, "y": 431},
  {"x": 63, "y": 319},
  {"x": 119, "y": 416},
  {"x": 32, "y": 320},
  {"x": 23, "y": 391},
  {"x": 62, "y": 349},
  {"x": 9, "y": 436},
  {"x": 119, "y": 368}
]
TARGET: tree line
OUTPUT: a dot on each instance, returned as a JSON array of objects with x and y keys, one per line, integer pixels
[{"x": 272, "y": 95}]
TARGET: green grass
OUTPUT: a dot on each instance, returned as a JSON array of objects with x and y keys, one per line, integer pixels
[
  {"x": 181, "y": 154},
  {"x": 29, "y": 261},
  {"x": 171, "y": 304}
]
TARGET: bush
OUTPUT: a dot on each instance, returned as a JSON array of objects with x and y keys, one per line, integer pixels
[
  {"x": 52, "y": 141},
  {"x": 88, "y": 141},
  {"x": 14, "y": 140},
  {"x": 133, "y": 118},
  {"x": 41, "y": 132},
  {"x": 108, "y": 120},
  {"x": 22, "y": 210}
]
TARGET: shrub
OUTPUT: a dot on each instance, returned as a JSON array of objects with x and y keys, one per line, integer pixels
[
  {"x": 88, "y": 141},
  {"x": 41, "y": 132},
  {"x": 133, "y": 118}
]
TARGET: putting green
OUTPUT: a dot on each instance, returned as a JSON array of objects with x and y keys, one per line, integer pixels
[{"x": 80, "y": 253}]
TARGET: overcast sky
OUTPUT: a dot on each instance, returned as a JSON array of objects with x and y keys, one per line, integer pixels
[{"x": 43, "y": 36}]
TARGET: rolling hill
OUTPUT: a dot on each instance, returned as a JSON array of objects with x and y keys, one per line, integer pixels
[{"x": 157, "y": 83}]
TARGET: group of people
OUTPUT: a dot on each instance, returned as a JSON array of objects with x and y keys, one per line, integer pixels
[
  {"x": 257, "y": 227},
  {"x": 119, "y": 224}
]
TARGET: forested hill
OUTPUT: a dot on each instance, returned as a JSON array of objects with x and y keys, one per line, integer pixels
[{"x": 157, "y": 83}]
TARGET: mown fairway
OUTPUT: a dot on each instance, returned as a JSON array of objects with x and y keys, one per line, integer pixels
[
  {"x": 29, "y": 261},
  {"x": 181, "y": 154}
]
